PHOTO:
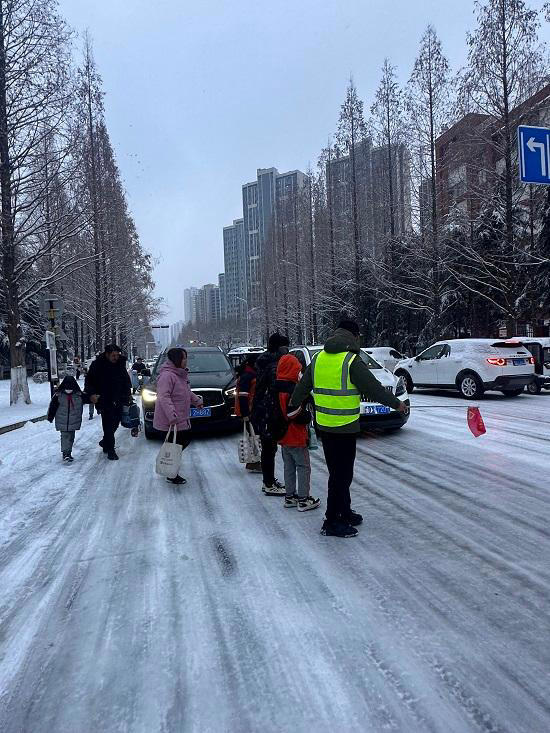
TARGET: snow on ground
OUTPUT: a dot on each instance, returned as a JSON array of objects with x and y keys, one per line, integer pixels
[
  {"x": 40, "y": 396},
  {"x": 128, "y": 604}
]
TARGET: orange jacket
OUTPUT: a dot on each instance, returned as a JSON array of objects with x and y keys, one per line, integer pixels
[{"x": 288, "y": 373}]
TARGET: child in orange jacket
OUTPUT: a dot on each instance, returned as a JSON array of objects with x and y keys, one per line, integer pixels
[{"x": 294, "y": 442}]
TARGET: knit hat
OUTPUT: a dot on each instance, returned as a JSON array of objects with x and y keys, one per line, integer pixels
[
  {"x": 276, "y": 340},
  {"x": 350, "y": 326}
]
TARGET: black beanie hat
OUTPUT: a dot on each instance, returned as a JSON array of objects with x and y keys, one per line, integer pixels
[
  {"x": 276, "y": 340},
  {"x": 350, "y": 326}
]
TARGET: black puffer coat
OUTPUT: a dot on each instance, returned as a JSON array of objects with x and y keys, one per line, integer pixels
[
  {"x": 265, "y": 398},
  {"x": 110, "y": 381}
]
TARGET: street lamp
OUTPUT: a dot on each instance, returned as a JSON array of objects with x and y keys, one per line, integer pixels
[
  {"x": 248, "y": 312},
  {"x": 247, "y": 328}
]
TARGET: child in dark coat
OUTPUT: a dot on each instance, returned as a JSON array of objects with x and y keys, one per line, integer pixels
[{"x": 66, "y": 408}]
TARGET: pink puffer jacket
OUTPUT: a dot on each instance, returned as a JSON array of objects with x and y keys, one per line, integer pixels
[{"x": 174, "y": 398}]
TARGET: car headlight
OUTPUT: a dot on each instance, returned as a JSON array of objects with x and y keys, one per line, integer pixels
[
  {"x": 147, "y": 395},
  {"x": 230, "y": 393},
  {"x": 401, "y": 387}
]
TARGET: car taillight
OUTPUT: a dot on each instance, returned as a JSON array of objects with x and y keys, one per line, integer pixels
[
  {"x": 531, "y": 360},
  {"x": 496, "y": 361}
]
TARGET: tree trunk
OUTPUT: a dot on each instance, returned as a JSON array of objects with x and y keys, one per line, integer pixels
[
  {"x": 19, "y": 385},
  {"x": 95, "y": 217}
]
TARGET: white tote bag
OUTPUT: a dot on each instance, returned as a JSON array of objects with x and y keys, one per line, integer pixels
[
  {"x": 169, "y": 457},
  {"x": 250, "y": 449}
]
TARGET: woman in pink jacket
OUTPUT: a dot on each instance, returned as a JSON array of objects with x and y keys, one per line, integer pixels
[{"x": 174, "y": 400}]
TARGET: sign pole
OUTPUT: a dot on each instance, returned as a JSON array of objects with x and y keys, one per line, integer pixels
[
  {"x": 49, "y": 363},
  {"x": 52, "y": 359}
]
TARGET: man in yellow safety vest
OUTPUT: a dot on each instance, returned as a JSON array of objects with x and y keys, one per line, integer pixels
[{"x": 338, "y": 377}]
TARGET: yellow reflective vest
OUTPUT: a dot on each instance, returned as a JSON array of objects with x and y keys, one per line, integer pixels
[{"x": 337, "y": 400}]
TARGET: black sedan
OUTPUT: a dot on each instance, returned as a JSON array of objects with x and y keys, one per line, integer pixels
[{"x": 212, "y": 377}]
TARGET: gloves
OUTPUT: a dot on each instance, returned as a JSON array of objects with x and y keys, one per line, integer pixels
[{"x": 304, "y": 418}]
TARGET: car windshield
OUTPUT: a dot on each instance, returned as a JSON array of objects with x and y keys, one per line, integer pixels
[
  {"x": 546, "y": 355},
  {"x": 369, "y": 361},
  {"x": 200, "y": 362}
]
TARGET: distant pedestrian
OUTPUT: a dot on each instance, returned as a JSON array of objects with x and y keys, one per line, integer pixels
[
  {"x": 262, "y": 409},
  {"x": 174, "y": 400},
  {"x": 77, "y": 367},
  {"x": 138, "y": 368},
  {"x": 244, "y": 397},
  {"x": 108, "y": 387},
  {"x": 294, "y": 443},
  {"x": 338, "y": 377},
  {"x": 66, "y": 409}
]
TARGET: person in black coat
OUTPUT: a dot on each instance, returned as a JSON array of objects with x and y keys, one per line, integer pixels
[
  {"x": 108, "y": 387},
  {"x": 266, "y": 370}
]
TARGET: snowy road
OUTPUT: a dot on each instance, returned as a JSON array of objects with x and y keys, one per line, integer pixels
[{"x": 129, "y": 605}]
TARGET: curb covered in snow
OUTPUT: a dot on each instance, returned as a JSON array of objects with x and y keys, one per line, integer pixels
[{"x": 16, "y": 425}]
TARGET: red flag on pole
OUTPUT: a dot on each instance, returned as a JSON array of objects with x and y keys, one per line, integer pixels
[{"x": 475, "y": 422}]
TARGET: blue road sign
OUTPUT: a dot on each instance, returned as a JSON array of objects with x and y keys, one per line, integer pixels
[{"x": 534, "y": 154}]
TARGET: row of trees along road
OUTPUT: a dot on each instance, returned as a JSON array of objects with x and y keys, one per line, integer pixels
[
  {"x": 411, "y": 274},
  {"x": 64, "y": 220}
]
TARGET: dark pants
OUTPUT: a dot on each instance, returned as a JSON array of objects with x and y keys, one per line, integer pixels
[
  {"x": 269, "y": 449},
  {"x": 339, "y": 451},
  {"x": 110, "y": 420},
  {"x": 183, "y": 438}
]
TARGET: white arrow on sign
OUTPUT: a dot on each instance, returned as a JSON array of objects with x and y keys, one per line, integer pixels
[{"x": 532, "y": 145}]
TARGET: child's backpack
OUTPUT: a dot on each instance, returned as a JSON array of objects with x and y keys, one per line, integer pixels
[{"x": 267, "y": 417}]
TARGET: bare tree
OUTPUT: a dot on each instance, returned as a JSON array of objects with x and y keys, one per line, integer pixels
[{"x": 35, "y": 102}]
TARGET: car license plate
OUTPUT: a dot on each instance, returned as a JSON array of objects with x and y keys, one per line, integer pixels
[
  {"x": 519, "y": 362},
  {"x": 374, "y": 410},
  {"x": 201, "y": 412}
]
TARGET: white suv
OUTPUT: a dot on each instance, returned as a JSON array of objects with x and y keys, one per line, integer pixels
[{"x": 471, "y": 366}]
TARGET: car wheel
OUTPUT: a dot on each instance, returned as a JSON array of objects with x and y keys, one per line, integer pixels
[
  {"x": 512, "y": 392},
  {"x": 408, "y": 380},
  {"x": 533, "y": 387},
  {"x": 470, "y": 386}
]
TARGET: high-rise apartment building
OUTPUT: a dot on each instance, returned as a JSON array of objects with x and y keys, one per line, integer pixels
[
  {"x": 190, "y": 304},
  {"x": 261, "y": 215},
  {"x": 235, "y": 270},
  {"x": 223, "y": 303},
  {"x": 375, "y": 216}
]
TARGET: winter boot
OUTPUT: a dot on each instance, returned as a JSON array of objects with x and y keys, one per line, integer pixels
[
  {"x": 291, "y": 501},
  {"x": 67, "y": 458},
  {"x": 337, "y": 528},
  {"x": 308, "y": 502},
  {"x": 352, "y": 518},
  {"x": 111, "y": 455},
  {"x": 177, "y": 480},
  {"x": 274, "y": 489}
]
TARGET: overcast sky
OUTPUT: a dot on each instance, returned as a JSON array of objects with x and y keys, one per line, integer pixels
[{"x": 201, "y": 93}]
